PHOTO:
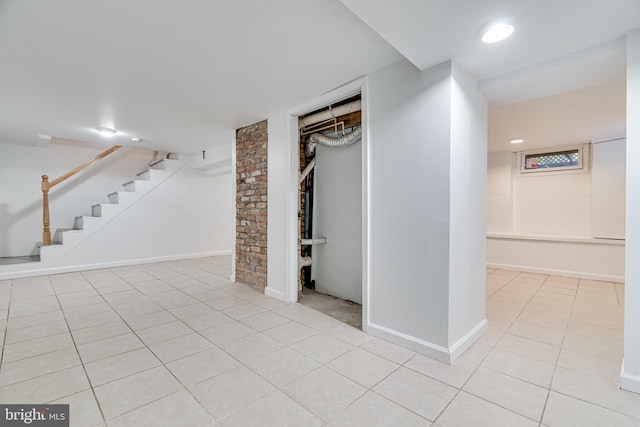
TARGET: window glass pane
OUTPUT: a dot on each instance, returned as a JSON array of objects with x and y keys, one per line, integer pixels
[{"x": 552, "y": 160}]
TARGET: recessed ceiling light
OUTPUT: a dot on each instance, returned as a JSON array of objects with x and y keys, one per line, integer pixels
[
  {"x": 497, "y": 29},
  {"x": 516, "y": 140},
  {"x": 136, "y": 139},
  {"x": 106, "y": 132}
]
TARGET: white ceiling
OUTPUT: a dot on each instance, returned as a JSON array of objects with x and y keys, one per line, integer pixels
[{"x": 182, "y": 75}]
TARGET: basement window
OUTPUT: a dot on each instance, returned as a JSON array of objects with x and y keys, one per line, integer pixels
[{"x": 567, "y": 158}]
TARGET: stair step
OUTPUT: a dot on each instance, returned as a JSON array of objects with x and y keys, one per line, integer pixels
[
  {"x": 118, "y": 197},
  {"x": 58, "y": 236},
  {"x": 101, "y": 209},
  {"x": 81, "y": 222},
  {"x": 136, "y": 184}
]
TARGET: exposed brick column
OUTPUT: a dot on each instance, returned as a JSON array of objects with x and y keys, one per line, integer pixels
[{"x": 251, "y": 204}]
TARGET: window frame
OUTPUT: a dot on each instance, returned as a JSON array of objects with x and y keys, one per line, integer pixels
[{"x": 581, "y": 167}]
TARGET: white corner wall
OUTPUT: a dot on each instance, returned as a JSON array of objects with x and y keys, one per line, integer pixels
[
  {"x": 427, "y": 131},
  {"x": 187, "y": 215},
  {"x": 630, "y": 375},
  {"x": 21, "y": 168},
  {"x": 500, "y": 192},
  {"x": 467, "y": 246}
]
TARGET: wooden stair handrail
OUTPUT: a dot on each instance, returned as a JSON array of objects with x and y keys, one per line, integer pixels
[{"x": 46, "y": 186}]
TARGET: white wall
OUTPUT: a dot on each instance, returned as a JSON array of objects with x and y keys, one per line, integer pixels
[
  {"x": 186, "y": 215},
  {"x": 500, "y": 192},
  {"x": 467, "y": 247},
  {"x": 428, "y": 130},
  {"x": 630, "y": 378},
  {"x": 21, "y": 168},
  {"x": 543, "y": 222},
  {"x": 337, "y": 206}
]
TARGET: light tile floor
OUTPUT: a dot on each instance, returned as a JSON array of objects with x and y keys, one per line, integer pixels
[{"x": 177, "y": 344}]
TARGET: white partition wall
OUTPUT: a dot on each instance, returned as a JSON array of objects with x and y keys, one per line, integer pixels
[
  {"x": 427, "y": 131},
  {"x": 630, "y": 375}
]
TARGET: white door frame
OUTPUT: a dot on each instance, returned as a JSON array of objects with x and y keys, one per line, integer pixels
[{"x": 350, "y": 89}]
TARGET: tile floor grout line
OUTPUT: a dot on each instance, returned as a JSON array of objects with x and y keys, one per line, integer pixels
[{"x": 84, "y": 369}]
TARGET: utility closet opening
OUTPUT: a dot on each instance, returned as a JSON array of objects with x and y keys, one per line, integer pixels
[{"x": 330, "y": 210}]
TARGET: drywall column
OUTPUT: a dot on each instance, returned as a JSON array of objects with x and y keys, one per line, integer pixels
[
  {"x": 251, "y": 204},
  {"x": 427, "y": 209},
  {"x": 630, "y": 375}
]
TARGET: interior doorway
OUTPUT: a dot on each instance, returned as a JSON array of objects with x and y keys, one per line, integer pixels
[{"x": 331, "y": 210}]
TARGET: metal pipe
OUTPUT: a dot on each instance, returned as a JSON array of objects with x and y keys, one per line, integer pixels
[
  {"x": 307, "y": 170},
  {"x": 338, "y": 111},
  {"x": 342, "y": 141}
]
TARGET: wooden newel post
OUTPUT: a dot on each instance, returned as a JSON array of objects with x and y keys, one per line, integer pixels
[{"x": 46, "y": 232}]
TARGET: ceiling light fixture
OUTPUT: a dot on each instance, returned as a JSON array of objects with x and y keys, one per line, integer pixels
[
  {"x": 106, "y": 132},
  {"x": 516, "y": 140},
  {"x": 497, "y": 29},
  {"x": 136, "y": 139}
]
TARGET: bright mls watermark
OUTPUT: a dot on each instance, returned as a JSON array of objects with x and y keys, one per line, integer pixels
[{"x": 34, "y": 415}]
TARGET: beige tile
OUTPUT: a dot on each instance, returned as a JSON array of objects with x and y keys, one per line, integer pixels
[
  {"x": 604, "y": 348},
  {"x": 227, "y": 332},
  {"x": 467, "y": 410},
  {"x": 25, "y": 369},
  {"x": 600, "y": 388},
  {"x": 33, "y": 319},
  {"x": 511, "y": 393},
  {"x": 163, "y": 332},
  {"x": 92, "y": 320},
  {"x": 388, "y": 350},
  {"x": 283, "y": 366},
  {"x": 251, "y": 347},
  {"x": 518, "y": 366},
  {"x": 36, "y": 305},
  {"x": 455, "y": 374},
  {"x": 46, "y": 388},
  {"x": 83, "y": 409},
  {"x": 276, "y": 410},
  {"x": 290, "y": 332},
  {"x": 372, "y": 410},
  {"x": 416, "y": 392},
  {"x": 180, "y": 347},
  {"x": 108, "y": 347},
  {"x": 206, "y": 321},
  {"x": 243, "y": 310},
  {"x": 537, "y": 333},
  {"x": 346, "y": 333},
  {"x": 228, "y": 392},
  {"x": 128, "y": 393},
  {"x": 35, "y": 347},
  {"x": 224, "y": 303},
  {"x": 32, "y": 332},
  {"x": 324, "y": 392},
  {"x": 322, "y": 348},
  {"x": 535, "y": 350},
  {"x": 363, "y": 367},
  {"x": 119, "y": 366},
  {"x": 100, "y": 332},
  {"x": 177, "y": 410},
  {"x": 264, "y": 320},
  {"x": 151, "y": 319},
  {"x": 587, "y": 362},
  {"x": 565, "y": 411},
  {"x": 202, "y": 366},
  {"x": 564, "y": 279},
  {"x": 191, "y": 310}
]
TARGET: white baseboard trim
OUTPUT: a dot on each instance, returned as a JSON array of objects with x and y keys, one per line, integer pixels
[
  {"x": 463, "y": 344},
  {"x": 96, "y": 266},
  {"x": 566, "y": 273},
  {"x": 446, "y": 355},
  {"x": 270, "y": 292},
  {"x": 232, "y": 278},
  {"x": 629, "y": 382},
  {"x": 424, "y": 347}
]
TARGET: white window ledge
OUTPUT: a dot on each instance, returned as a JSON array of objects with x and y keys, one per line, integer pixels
[{"x": 556, "y": 239}]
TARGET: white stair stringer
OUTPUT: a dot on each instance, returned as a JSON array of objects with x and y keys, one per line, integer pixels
[{"x": 65, "y": 240}]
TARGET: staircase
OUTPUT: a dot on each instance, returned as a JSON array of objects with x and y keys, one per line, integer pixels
[{"x": 66, "y": 239}]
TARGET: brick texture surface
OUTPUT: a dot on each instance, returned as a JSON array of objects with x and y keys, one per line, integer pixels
[{"x": 251, "y": 204}]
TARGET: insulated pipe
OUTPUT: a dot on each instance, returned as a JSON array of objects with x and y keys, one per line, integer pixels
[
  {"x": 342, "y": 141},
  {"x": 304, "y": 261},
  {"x": 340, "y": 110},
  {"x": 307, "y": 170}
]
